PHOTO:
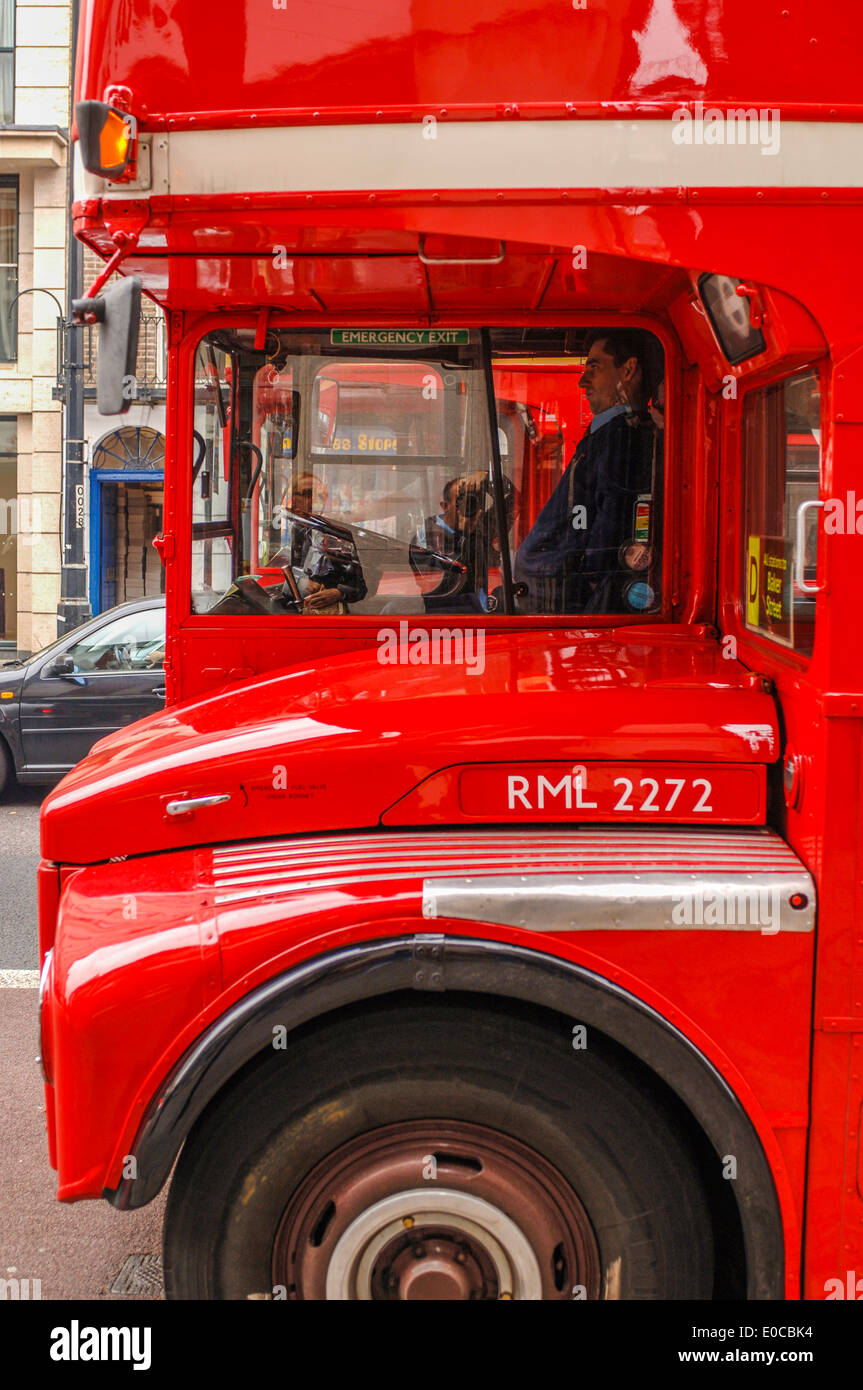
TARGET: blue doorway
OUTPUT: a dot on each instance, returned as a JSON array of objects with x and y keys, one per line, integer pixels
[
  {"x": 126, "y": 512},
  {"x": 127, "y": 493}
]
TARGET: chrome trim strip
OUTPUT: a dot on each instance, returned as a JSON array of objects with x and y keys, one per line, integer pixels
[{"x": 628, "y": 902}]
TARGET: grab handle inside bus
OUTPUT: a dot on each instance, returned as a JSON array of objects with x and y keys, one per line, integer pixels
[{"x": 800, "y": 580}]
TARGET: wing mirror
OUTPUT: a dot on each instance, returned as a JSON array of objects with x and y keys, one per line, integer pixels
[
  {"x": 64, "y": 666},
  {"x": 118, "y": 314}
]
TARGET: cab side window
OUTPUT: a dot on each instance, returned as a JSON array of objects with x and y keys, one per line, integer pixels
[
  {"x": 211, "y": 500},
  {"x": 781, "y": 461}
]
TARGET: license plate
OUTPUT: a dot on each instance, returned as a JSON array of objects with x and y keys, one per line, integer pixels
[{"x": 657, "y": 792}]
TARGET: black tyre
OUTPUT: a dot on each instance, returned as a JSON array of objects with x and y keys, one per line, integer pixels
[
  {"x": 437, "y": 1151},
  {"x": 7, "y": 768}
]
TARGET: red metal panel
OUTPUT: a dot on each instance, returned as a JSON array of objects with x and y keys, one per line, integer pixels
[
  {"x": 394, "y": 285},
  {"x": 508, "y": 55},
  {"x": 517, "y": 281},
  {"x": 114, "y": 928},
  {"x": 48, "y": 896},
  {"x": 329, "y": 726}
]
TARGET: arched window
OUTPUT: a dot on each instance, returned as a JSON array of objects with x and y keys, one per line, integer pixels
[{"x": 137, "y": 447}]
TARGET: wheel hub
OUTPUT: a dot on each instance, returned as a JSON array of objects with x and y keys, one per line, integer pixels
[
  {"x": 437, "y": 1265},
  {"x": 435, "y": 1210},
  {"x": 488, "y": 1238}
]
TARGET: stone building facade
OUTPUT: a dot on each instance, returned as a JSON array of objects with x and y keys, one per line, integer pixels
[
  {"x": 118, "y": 514},
  {"x": 35, "y": 74}
]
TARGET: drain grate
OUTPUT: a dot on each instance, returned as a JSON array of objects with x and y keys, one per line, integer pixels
[{"x": 140, "y": 1277}]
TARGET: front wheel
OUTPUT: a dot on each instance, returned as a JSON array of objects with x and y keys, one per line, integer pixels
[
  {"x": 7, "y": 769},
  {"x": 437, "y": 1152}
]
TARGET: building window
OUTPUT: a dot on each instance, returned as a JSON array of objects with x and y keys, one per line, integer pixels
[
  {"x": 7, "y": 62},
  {"x": 8, "y": 266},
  {"x": 9, "y": 527}
]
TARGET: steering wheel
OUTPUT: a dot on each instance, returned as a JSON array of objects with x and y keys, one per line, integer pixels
[
  {"x": 336, "y": 545},
  {"x": 314, "y": 522},
  {"x": 454, "y": 573}
]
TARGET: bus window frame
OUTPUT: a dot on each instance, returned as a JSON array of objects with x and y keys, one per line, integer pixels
[
  {"x": 673, "y": 612},
  {"x": 214, "y": 528},
  {"x": 755, "y": 648}
]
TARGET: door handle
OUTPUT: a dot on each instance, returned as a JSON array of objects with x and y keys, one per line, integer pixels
[
  {"x": 160, "y": 690},
  {"x": 800, "y": 548},
  {"x": 194, "y": 803}
]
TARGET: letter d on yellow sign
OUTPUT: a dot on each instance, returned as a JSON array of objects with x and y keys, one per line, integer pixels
[{"x": 753, "y": 581}]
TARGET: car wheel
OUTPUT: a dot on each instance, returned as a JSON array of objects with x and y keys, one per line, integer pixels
[
  {"x": 7, "y": 768},
  {"x": 437, "y": 1151}
]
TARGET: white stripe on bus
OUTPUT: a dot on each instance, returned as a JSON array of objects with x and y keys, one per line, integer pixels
[{"x": 482, "y": 155}]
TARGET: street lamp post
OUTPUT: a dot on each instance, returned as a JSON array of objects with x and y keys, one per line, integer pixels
[{"x": 74, "y": 606}]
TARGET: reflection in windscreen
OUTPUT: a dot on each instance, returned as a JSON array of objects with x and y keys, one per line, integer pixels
[{"x": 336, "y": 479}]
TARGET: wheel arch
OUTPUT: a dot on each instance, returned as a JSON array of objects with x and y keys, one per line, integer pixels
[{"x": 369, "y": 971}]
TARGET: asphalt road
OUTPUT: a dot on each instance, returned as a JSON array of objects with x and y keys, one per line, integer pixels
[
  {"x": 19, "y": 856},
  {"x": 85, "y": 1250}
]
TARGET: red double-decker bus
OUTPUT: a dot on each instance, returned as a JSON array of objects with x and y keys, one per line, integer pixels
[{"x": 482, "y": 917}]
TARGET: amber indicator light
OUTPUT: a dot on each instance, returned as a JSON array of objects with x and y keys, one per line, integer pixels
[
  {"x": 114, "y": 141},
  {"x": 107, "y": 138}
]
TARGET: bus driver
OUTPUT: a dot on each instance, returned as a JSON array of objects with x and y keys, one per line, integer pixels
[{"x": 570, "y": 557}]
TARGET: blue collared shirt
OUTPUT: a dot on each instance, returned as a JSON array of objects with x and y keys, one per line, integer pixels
[{"x": 605, "y": 415}]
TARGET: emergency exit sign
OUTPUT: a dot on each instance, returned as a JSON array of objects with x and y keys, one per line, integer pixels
[{"x": 399, "y": 337}]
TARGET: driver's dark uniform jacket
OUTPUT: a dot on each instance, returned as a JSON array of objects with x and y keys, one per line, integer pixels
[{"x": 570, "y": 558}]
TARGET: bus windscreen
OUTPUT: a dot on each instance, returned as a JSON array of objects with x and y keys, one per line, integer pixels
[{"x": 336, "y": 475}]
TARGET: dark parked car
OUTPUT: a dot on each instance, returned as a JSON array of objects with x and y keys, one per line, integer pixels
[{"x": 55, "y": 705}]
